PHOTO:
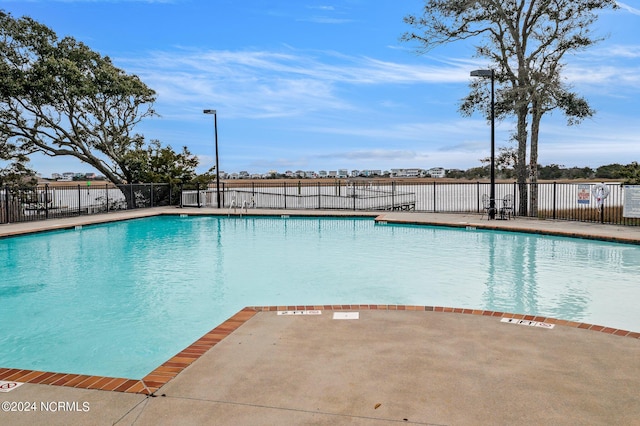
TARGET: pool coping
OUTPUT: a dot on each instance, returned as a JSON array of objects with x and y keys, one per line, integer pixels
[
  {"x": 581, "y": 230},
  {"x": 171, "y": 368}
]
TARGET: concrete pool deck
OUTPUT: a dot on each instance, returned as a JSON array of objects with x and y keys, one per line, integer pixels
[{"x": 391, "y": 365}]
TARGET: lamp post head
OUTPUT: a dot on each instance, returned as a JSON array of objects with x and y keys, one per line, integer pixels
[
  {"x": 209, "y": 111},
  {"x": 482, "y": 73}
]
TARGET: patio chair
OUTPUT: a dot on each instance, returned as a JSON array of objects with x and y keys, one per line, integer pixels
[
  {"x": 486, "y": 205},
  {"x": 506, "y": 211}
]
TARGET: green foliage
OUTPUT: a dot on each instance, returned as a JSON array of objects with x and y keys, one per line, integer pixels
[
  {"x": 157, "y": 164},
  {"x": 58, "y": 97},
  {"x": 610, "y": 171},
  {"x": 631, "y": 173},
  {"x": 205, "y": 178},
  {"x": 555, "y": 171},
  {"x": 17, "y": 173},
  {"x": 13, "y": 164}
]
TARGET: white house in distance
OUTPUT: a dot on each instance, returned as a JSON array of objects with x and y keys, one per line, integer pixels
[
  {"x": 436, "y": 172},
  {"x": 406, "y": 172}
]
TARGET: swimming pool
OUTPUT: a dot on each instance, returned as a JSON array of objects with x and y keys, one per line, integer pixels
[{"x": 120, "y": 299}]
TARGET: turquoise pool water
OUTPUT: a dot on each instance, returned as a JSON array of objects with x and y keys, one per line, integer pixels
[{"x": 120, "y": 299}]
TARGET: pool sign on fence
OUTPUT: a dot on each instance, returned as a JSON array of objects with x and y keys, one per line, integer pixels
[
  {"x": 583, "y": 194},
  {"x": 631, "y": 206}
]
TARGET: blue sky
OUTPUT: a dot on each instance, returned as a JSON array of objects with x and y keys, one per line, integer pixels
[{"x": 325, "y": 85}]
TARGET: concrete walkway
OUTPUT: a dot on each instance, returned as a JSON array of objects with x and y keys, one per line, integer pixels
[{"x": 388, "y": 366}]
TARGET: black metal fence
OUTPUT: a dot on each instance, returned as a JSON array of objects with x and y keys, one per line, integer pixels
[
  {"x": 563, "y": 201},
  {"x": 23, "y": 204}
]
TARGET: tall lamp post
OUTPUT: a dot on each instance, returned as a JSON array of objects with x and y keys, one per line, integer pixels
[
  {"x": 215, "y": 127},
  {"x": 492, "y": 194}
]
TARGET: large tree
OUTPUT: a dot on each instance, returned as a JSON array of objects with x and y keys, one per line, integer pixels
[
  {"x": 58, "y": 97},
  {"x": 525, "y": 42}
]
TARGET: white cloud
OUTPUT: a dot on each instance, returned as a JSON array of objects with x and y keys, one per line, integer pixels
[
  {"x": 264, "y": 84},
  {"x": 331, "y": 101},
  {"x": 628, "y": 8}
]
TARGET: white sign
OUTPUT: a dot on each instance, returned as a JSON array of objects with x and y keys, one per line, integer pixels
[
  {"x": 317, "y": 312},
  {"x": 631, "y": 207},
  {"x": 346, "y": 315},
  {"x": 528, "y": 323}
]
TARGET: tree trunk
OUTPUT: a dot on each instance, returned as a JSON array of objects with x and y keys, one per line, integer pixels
[
  {"x": 521, "y": 166},
  {"x": 129, "y": 195},
  {"x": 536, "y": 116}
]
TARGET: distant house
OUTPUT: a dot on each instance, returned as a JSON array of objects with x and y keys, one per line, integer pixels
[
  {"x": 406, "y": 173},
  {"x": 355, "y": 173},
  {"x": 343, "y": 173},
  {"x": 436, "y": 172},
  {"x": 56, "y": 176},
  {"x": 332, "y": 173},
  {"x": 90, "y": 176},
  {"x": 309, "y": 174},
  {"x": 322, "y": 174}
]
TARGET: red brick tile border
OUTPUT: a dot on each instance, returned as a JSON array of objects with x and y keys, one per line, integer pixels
[{"x": 174, "y": 366}]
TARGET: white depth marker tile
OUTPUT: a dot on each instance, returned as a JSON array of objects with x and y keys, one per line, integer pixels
[{"x": 346, "y": 315}]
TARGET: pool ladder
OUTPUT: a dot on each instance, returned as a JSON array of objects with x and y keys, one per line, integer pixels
[{"x": 234, "y": 206}]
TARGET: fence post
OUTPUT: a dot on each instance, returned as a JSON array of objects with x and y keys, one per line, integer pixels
[
  {"x": 133, "y": 200},
  {"x": 353, "y": 187},
  {"x": 434, "y": 197},
  {"x": 284, "y": 185},
  {"x": 6, "y": 203},
  {"x": 554, "y": 199},
  {"x": 46, "y": 201},
  {"x": 106, "y": 196},
  {"x": 152, "y": 194},
  {"x": 393, "y": 195},
  {"x": 319, "y": 197},
  {"x": 79, "y": 200},
  {"x": 198, "y": 194}
]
